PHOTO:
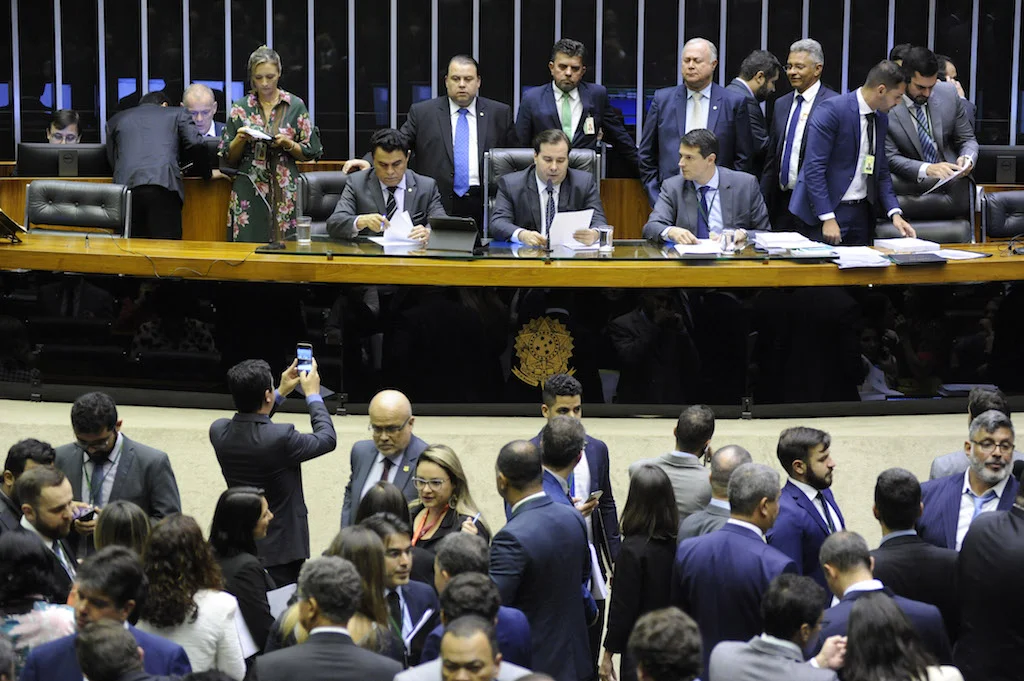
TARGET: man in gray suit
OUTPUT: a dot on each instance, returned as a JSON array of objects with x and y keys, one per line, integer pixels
[
  {"x": 716, "y": 513},
  {"x": 470, "y": 645},
  {"x": 683, "y": 466},
  {"x": 104, "y": 465},
  {"x": 373, "y": 197},
  {"x": 979, "y": 401},
  {"x": 528, "y": 200},
  {"x": 792, "y": 609},
  {"x": 758, "y": 74},
  {"x": 704, "y": 199},
  {"x": 390, "y": 456},
  {"x": 930, "y": 136}
]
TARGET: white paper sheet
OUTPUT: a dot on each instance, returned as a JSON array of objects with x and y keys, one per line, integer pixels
[
  {"x": 959, "y": 173},
  {"x": 568, "y": 223},
  {"x": 399, "y": 228},
  {"x": 781, "y": 240},
  {"x": 253, "y": 132},
  {"x": 907, "y": 245},
  {"x": 249, "y": 647},
  {"x": 278, "y": 599},
  {"x": 851, "y": 257},
  {"x": 702, "y": 247},
  {"x": 950, "y": 254}
]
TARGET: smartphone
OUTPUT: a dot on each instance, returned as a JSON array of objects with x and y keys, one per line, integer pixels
[
  {"x": 304, "y": 353},
  {"x": 595, "y": 495},
  {"x": 85, "y": 515}
]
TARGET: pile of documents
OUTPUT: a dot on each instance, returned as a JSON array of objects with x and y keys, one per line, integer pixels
[
  {"x": 907, "y": 245},
  {"x": 860, "y": 256},
  {"x": 791, "y": 243}
]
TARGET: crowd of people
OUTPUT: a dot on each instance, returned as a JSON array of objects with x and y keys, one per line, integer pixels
[{"x": 714, "y": 570}]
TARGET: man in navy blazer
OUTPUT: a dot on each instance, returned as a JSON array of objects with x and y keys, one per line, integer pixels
[
  {"x": 952, "y": 503},
  {"x": 578, "y": 108},
  {"x": 847, "y": 564},
  {"x": 758, "y": 73},
  {"x": 540, "y": 560},
  {"x": 390, "y": 456},
  {"x": 845, "y": 176},
  {"x": 697, "y": 103},
  {"x": 720, "y": 577},
  {"x": 22, "y": 456},
  {"x": 803, "y": 525}
]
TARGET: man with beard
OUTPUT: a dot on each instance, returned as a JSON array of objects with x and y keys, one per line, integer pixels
[
  {"x": 952, "y": 503},
  {"x": 46, "y": 511},
  {"x": 758, "y": 74},
  {"x": 808, "y": 513}
]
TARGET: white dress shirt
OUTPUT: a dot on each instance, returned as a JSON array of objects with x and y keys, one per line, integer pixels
[
  {"x": 212, "y": 132},
  {"x": 107, "y": 475},
  {"x": 798, "y": 135},
  {"x": 474, "y": 159},
  {"x": 62, "y": 556},
  {"x": 812, "y": 494},
  {"x": 377, "y": 470},
  {"x": 399, "y": 196},
  {"x": 750, "y": 526},
  {"x": 538, "y": 495},
  {"x": 575, "y": 105},
  {"x": 720, "y": 503},
  {"x": 715, "y": 224},
  {"x": 542, "y": 191},
  {"x": 963, "y": 522},
  {"x": 700, "y": 121}
]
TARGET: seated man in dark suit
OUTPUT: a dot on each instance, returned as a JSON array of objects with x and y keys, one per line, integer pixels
[
  {"x": 704, "y": 199},
  {"x": 758, "y": 74},
  {"x": 528, "y": 200},
  {"x": 846, "y": 562},
  {"x": 22, "y": 456},
  {"x": 723, "y": 462},
  {"x": 978, "y": 401},
  {"x": 47, "y": 505},
  {"x": 374, "y": 196}
]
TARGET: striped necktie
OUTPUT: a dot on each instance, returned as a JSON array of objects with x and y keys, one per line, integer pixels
[{"x": 924, "y": 134}]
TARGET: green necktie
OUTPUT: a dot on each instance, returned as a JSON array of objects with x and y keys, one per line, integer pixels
[{"x": 567, "y": 115}]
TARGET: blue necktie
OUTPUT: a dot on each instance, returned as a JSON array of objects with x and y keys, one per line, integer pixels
[
  {"x": 96, "y": 481},
  {"x": 703, "y": 215},
  {"x": 828, "y": 515},
  {"x": 550, "y": 209},
  {"x": 980, "y": 501},
  {"x": 787, "y": 148},
  {"x": 462, "y": 154},
  {"x": 928, "y": 150}
]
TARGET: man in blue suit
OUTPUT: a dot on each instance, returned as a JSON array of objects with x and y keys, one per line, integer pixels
[
  {"x": 845, "y": 175},
  {"x": 578, "y": 108},
  {"x": 539, "y": 561},
  {"x": 697, "y": 103},
  {"x": 808, "y": 513},
  {"x": 952, "y": 503},
  {"x": 847, "y": 563},
  {"x": 110, "y": 584},
  {"x": 720, "y": 577}
]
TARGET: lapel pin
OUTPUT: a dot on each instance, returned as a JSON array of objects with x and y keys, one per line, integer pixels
[
  {"x": 405, "y": 469},
  {"x": 714, "y": 108}
]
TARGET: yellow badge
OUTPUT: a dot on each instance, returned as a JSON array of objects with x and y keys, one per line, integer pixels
[
  {"x": 405, "y": 469},
  {"x": 588, "y": 126},
  {"x": 869, "y": 164},
  {"x": 544, "y": 347}
]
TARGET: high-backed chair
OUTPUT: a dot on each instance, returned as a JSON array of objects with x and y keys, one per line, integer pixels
[
  {"x": 319, "y": 193},
  {"x": 60, "y": 203},
  {"x": 1002, "y": 215},
  {"x": 498, "y": 162},
  {"x": 945, "y": 216}
]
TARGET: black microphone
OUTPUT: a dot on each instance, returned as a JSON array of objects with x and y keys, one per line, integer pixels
[{"x": 1018, "y": 470}]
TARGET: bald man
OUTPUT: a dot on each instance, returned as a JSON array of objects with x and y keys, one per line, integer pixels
[
  {"x": 390, "y": 456},
  {"x": 201, "y": 104}
]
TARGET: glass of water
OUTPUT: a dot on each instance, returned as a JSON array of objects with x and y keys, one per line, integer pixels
[
  {"x": 604, "y": 240},
  {"x": 304, "y": 229},
  {"x": 728, "y": 242}
]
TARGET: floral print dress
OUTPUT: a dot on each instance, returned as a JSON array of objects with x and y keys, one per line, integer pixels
[{"x": 265, "y": 188}]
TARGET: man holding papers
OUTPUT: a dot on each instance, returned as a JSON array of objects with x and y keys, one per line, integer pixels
[
  {"x": 528, "y": 200},
  {"x": 704, "y": 199},
  {"x": 373, "y": 197}
]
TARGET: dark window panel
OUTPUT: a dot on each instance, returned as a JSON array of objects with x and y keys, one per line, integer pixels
[
  {"x": 742, "y": 34},
  {"x": 331, "y": 115},
  {"x": 248, "y": 31},
  {"x": 6, "y": 89},
  {"x": 619, "y": 59},
  {"x": 911, "y": 22},
  {"x": 81, "y": 72},
  {"x": 785, "y": 23},
  {"x": 206, "y": 52},
  {"x": 413, "y": 55},
  {"x": 454, "y": 34},
  {"x": 703, "y": 20},
  {"x": 291, "y": 41},
  {"x": 869, "y": 34},
  {"x": 995, "y": 47},
  {"x": 953, "y": 36},
  {"x": 538, "y": 35},
  {"x": 825, "y": 24},
  {"x": 124, "y": 54},
  {"x": 579, "y": 22},
  {"x": 496, "y": 17},
  {"x": 372, "y": 86},
  {"x": 38, "y": 98},
  {"x": 166, "y": 70},
  {"x": 661, "y": 47}
]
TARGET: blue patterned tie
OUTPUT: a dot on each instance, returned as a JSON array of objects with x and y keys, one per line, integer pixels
[
  {"x": 928, "y": 150},
  {"x": 550, "y": 209},
  {"x": 462, "y": 154},
  {"x": 980, "y": 501},
  {"x": 787, "y": 149},
  {"x": 702, "y": 214}
]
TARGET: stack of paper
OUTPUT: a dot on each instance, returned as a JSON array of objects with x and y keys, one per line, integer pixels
[
  {"x": 860, "y": 256},
  {"x": 907, "y": 245},
  {"x": 397, "y": 233},
  {"x": 254, "y": 133},
  {"x": 702, "y": 247},
  {"x": 565, "y": 225},
  {"x": 781, "y": 240},
  {"x": 950, "y": 254}
]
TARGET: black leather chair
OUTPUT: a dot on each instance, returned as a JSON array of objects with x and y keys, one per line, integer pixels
[
  {"x": 1002, "y": 215},
  {"x": 945, "y": 216},
  {"x": 498, "y": 162},
  {"x": 319, "y": 193},
  {"x": 101, "y": 206}
]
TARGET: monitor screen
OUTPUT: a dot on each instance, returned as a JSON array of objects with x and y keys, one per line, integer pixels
[{"x": 41, "y": 159}]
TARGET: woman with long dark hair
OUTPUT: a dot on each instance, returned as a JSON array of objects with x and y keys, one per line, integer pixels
[
  {"x": 882, "y": 645},
  {"x": 643, "y": 571},
  {"x": 241, "y": 517},
  {"x": 185, "y": 603}
]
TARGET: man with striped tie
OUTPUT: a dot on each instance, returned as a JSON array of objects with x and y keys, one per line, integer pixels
[
  {"x": 373, "y": 197},
  {"x": 930, "y": 135}
]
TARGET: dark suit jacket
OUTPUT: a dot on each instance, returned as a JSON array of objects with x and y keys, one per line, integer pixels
[
  {"x": 719, "y": 579},
  {"x": 941, "y": 499},
  {"x": 144, "y": 144},
  {"x": 325, "y": 656},
  {"x": 777, "y": 145},
  {"x": 361, "y": 461},
  {"x": 758, "y": 124},
  {"x": 799, "y": 530},
  {"x": 539, "y": 559},
  {"x": 144, "y": 477},
  {"x": 362, "y": 195},
  {"x": 56, "y": 661},
  {"x": 925, "y": 618},
  {"x": 428, "y": 132},
  {"x": 538, "y": 111},
  {"x": 991, "y": 631},
  {"x": 254, "y": 451},
  {"x": 420, "y": 599},
  {"x": 666, "y": 123},
  {"x": 248, "y": 582},
  {"x": 512, "y": 631},
  {"x": 518, "y": 202},
  {"x": 643, "y": 575},
  {"x": 10, "y": 514},
  {"x": 915, "y": 569},
  {"x": 742, "y": 204},
  {"x": 703, "y": 522},
  {"x": 833, "y": 147}
]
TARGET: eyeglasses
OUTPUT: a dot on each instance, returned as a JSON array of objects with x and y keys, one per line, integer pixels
[
  {"x": 390, "y": 430},
  {"x": 70, "y": 137},
  {"x": 95, "y": 444},
  {"x": 989, "y": 446},
  {"x": 434, "y": 483}
]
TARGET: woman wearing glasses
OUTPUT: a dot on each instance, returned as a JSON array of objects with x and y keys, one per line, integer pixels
[{"x": 445, "y": 504}]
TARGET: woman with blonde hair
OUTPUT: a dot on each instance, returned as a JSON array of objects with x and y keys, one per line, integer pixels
[
  {"x": 445, "y": 504},
  {"x": 122, "y": 523}
]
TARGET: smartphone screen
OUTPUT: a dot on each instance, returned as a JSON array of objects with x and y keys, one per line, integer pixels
[{"x": 304, "y": 353}]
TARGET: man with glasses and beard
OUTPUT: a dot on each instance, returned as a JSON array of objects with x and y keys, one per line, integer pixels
[
  {"x": 105, "y": 465},
  {"x": 952, "y": 503}
]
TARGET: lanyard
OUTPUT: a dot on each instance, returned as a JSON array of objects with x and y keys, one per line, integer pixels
[
  {"x": 423, "y": 530},
  {"x": 711, "y": 205},
  {"x": 109, "y": 467}
]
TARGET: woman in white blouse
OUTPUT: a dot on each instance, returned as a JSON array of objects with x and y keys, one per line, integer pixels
[{"x": 185, "y": 603}]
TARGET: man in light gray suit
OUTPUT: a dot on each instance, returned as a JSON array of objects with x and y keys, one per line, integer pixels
[
  {"x": 704, "y": 199},
  {"x": 373, "y": 197},
  {"x": 469, "y": 644},
  {"x": 979, "y": 401},
  {"x": 104, "y": 465},
  {"x": 390, "y": 456},
  {"x": 683, "y": 466},
  {"x": 716, "y": 513},
  {"x": 930, "y": 135},
  {"x": 792, "y": 609}
]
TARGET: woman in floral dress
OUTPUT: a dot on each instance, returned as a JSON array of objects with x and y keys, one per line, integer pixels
[{"x": 262, "y": 206}]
